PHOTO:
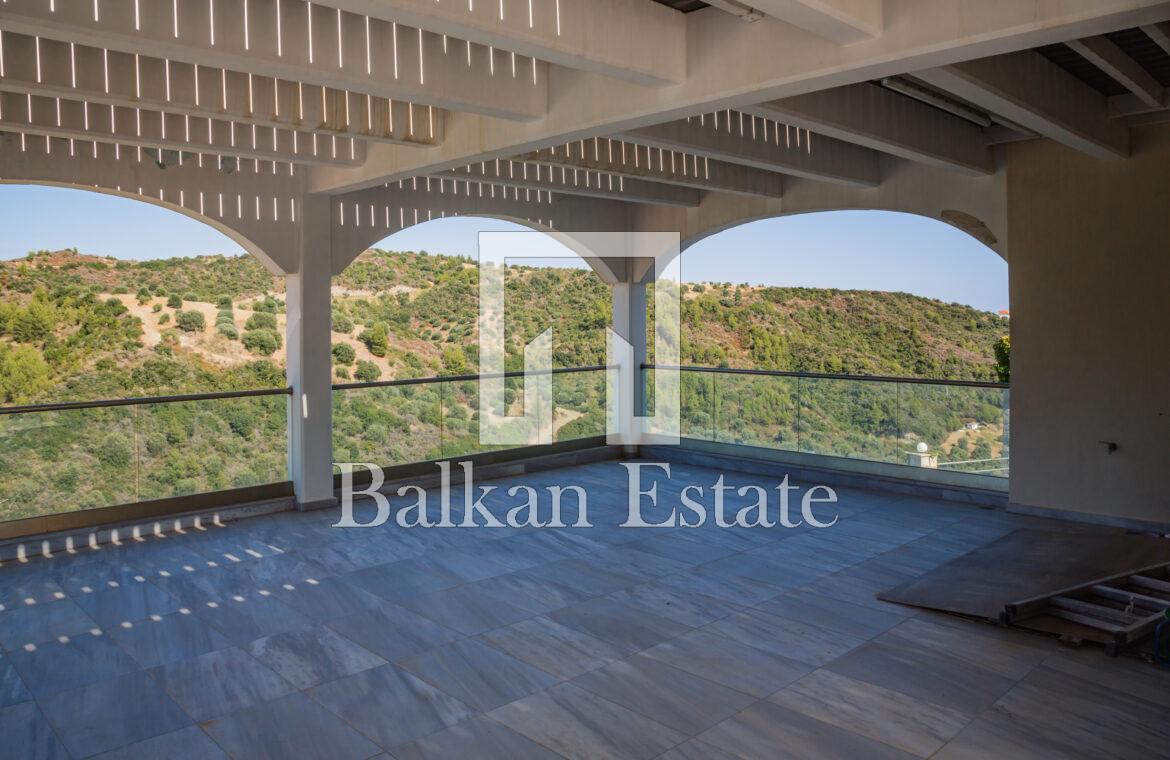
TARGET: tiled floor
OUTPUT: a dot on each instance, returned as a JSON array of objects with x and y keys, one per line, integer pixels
[{"x": 283, "y": 637}]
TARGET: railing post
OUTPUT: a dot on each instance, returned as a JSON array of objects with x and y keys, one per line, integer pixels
[{"x": 310, "y": 426}]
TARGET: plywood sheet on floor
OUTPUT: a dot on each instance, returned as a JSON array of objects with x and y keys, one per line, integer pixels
[{"x": 1024, "y": 564}]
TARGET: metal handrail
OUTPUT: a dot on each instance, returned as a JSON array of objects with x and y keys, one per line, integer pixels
[
  {"x": 831, "y": 376},
  {"x": 74, "y": 405},
  {"x": 465, "y": 378}
]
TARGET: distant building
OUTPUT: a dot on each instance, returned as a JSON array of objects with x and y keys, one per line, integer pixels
[{"x": 1006, "y": 314}]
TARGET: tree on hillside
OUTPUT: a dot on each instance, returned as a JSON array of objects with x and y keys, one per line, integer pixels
[
  {"x": 1003, "y": 358},
  {"x": 367, "y": 372},
  {"x": 262, "y": 342},
  {"x": 261, "y": 320},
  {"x": 343, "y": 353},
  {"x": 190, "y": 321},
  {"x": 377, "y": 339},
  {"x": 23, "y": 372}
]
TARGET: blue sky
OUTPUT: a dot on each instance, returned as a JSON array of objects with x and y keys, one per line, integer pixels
[{"x": 846, "y": 249}]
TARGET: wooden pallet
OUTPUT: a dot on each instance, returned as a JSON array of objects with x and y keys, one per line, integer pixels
[{"x": 1127, "y": 606}]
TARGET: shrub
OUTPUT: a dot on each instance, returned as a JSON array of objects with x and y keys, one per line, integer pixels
[
  {"x": 156, "y": 308},
  {"x": 342, "y": 324},
  {"x": 377, "y": 339},
  {"x": 262, "y": 342},
  {"x": 367, "y": 372},
  {"x": 174, "y": 301},
  {"x": 190, "y": 321},
  {"x": 164, "y": 319},
  {"x": 343, "y": 353},
  {"x": 261, "y": 321},
  {"x": 342, "y": 373},
  {"x": 224, "y": 302},
  {"x": 228, "y": 331}
]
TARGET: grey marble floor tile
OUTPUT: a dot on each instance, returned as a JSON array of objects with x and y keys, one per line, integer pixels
[
  {"x": 127, "y": 603},
  {"x": 793, "y": 639},
  {"x": 670, "y": 696},
  {"x": 393, "y": 632},
  {"x": 1082, "y": 714},
  {"x": 696, "y": 750},
  {"x": 311, "y": 656},
  {"x": 56, "y": 666},
  {"x": 88, "y": 577},
  {"x": 578, "y": 724},
  {"x": 470, "y": 564},
  {"x": 631, "y": 560},
  {"x": 767, "y": 730},
  {"x": 530, "y": 590},
  {"x": 188, "y": 743},
  {"x": 27, "y": 734},
  {"x": 478, "y": 737},
  {"x": 924, "y": 674},
  {"x": 579, "y": 575},
  {"x": 832, "y": 614},
  {"x": 626, "y": 627},
  {"x": 681, "y": 547},
  {"x": 109, "y": 714},
  {"x": 912, "y": 725},
  {"x": 36, "y": 623},
  {"x": 12, "y": 688},
  {"x": 465, "y": 610},
  {"x": 996, "y": 735},
  {"x": 685, "y": 607},
  {"x": 328, "y": 599},
  {"x": 738, "y": 666},
  {"x": 390, "y": 705},
  {"x": 1132, "y": 678},
  {"x": 1010, "y": 653},
  {"x": 477, "y": 674},
  {"x": 174, "y": 637},
  {"x": 735, "y": 590},
  {"x": 251, "y": 619},
  {"x": 554, "y": 648},
  {"x": 288, "y": 727},
  {"x": 23, "y": 587},
  {"x": 408, "y": 578},
  {"x": 218, "y": 683}
]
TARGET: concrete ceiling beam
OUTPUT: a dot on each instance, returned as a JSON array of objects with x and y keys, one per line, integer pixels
[
  {"x": 1028, "y": 89},
  {"x": 572, "y": 181},
  {"x": 121, "y": 125},
  {"x": 669, "y": 167},
  {"x": 77, "y": 72},
  {"x": 637, "y": 42},
  {"x": 842, "y": 21},
  {"x": 876, "y": 118},
  {"x": 1105, "y": 55},
  {"x": 739, "y": 138},
  {"x": 307, "y": 42}
]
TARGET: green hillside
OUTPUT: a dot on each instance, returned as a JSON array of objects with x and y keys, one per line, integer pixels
[{"x": 77, "y": 327}]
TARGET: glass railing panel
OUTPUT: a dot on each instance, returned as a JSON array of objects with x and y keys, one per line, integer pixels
[
  {"x": 578, "y": 405},
  {"x": 847, "y": 418},
  {"x": 387, "y": 425},
  {"x": 697, "y": 397},
  {"x": 65, "y": 461},
  {"x": 201, "y": 446},
  {"x": 955, "y": 428},
  {"x": 755, "y": 410}
]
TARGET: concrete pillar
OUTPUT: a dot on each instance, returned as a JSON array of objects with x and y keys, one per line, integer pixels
[
  {"x": 310, "y": 425},
  {"x": 629, "y": 322}
]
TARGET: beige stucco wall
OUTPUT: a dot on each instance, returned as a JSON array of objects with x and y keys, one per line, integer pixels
[{"x": 1090, "y": 300}]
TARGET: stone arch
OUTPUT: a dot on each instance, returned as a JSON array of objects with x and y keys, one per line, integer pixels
[{"x": 258, "y": 213}]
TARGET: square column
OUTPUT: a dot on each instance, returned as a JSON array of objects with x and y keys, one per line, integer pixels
[{"x": 310, "y": 425}]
